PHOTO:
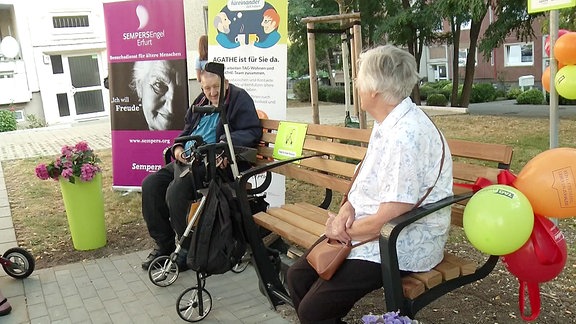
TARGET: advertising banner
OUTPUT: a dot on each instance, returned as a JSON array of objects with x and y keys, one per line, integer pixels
[
  {"x": 148, "y": 84},
  {"x": 250, "y": 38}
]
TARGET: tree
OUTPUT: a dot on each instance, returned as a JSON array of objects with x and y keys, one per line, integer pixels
[
  {"x": 411, "y": 24},
  {"x": 510, "y": 16},
  {"x": 297, "y": 31}
]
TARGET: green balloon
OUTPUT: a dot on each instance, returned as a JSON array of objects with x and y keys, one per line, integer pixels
[
  {"x": 565, "y": 82},
  {"x": 498, "y": 220}
]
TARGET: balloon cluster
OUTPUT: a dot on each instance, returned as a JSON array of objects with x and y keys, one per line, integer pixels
[
  {"x": 565, "y": 54},
  {"x": 509, "y": 220}
]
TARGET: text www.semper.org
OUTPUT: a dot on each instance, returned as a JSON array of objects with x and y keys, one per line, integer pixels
[{"x": 149, "y": 141}]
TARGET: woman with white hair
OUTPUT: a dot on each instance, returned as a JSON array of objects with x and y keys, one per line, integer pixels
[{"x": 402, "y": 163}]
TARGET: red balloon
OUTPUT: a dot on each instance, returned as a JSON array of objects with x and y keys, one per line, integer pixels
[
  {"x": 547, "y": 41},
  {"x": 540, "y": 259}
]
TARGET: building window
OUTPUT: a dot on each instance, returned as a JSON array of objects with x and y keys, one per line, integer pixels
[
  {"x": 57, "y": 66},
  {"x": 463, "y": 56},
  {"x": 466, "y": 25},
  {"x": 19, "y": 115},
  {"x": 440, "y": 71},
  {"x": 521, "y": 54},
  {"x": 70, "y": 21}
]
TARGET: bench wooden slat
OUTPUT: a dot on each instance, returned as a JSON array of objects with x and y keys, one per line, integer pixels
[
  {"x": 430, "y": 279},
  {"x": 412, "y": 287},
  {"x": 309, "y": 206},
  {"x": 289, "y": 232},
  {"x": 457, "y": 216},
  {"x": 311, "y": 214},
  {"x": 312, "y": 177},
  {"x": 466, "y": 266},
  {"x": 331, "y": 166},
  {"x": 465, "y": 172},
  {"x": 337, "y": 149},
  {"x": 448, "y": 270},
  {"x": 353, "y": 134},
  {"x": 297, "y": 220},
  {"x": 484, "y": 151}
]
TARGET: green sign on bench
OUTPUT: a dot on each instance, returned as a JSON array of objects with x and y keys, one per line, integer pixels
[{"x": 289, "y": 140}]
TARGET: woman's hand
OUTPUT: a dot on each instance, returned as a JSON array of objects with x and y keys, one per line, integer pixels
[{"x": 336, "y": 228}]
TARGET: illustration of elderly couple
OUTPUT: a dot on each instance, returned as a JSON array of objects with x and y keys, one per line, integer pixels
[{"x": 270, "y": 22}]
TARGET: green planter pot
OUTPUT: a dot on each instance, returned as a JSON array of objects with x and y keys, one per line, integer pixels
[{"x": 84, "y": 204}]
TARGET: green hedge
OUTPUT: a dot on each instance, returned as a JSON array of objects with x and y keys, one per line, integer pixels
[
  {"x": 482, "y": 92},
  {"x": 7, "y": 121},
  {"x": 530, "y": 97},
  {"x": 302, "y": 90},
  {"x": 437, "y": 99}
]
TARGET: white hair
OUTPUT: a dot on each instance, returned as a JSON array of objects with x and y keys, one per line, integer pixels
[{"x": 389, "y": 71}]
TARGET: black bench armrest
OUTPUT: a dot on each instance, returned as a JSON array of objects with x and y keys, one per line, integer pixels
[
  {"x": 244, "y": 176},
  {"x": 391, "y": 277}
]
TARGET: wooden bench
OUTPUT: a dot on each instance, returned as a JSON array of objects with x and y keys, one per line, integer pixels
[{"x": 301, "y": 223}]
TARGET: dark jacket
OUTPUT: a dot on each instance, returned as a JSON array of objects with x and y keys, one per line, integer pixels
[{"x": 243, "y": 121}]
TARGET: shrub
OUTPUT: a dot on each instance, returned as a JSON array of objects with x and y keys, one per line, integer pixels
[
  {"x": 335, "y": 94},
  {"x": 7, "y": 121},
  {"x": 530, "y": 97},
  {"x": 35, "y": 122},
  {"x": 482, "y": 92},
  {"x": 447, "y": 90},
  {"x": 500, "y": 93},
  {"x": 561, "y": 100},
  {"x": 323, "y": 93},
  {"x": 513, "y": 93},
  {"x": 426, "y": 90},
  {"x": 302, "y": 90},
  {"x": 437, "y": 99}
]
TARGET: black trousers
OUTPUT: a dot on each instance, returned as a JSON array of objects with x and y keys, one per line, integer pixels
[
  {"x": 166, "y": 198},
  {"x": 320, "y": 301}
]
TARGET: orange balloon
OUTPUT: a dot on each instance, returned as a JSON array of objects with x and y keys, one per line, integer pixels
[
  {"x": 546, "y": 77},
  {"x": 565, "y": 49},
  {"x": 549, "y": 182}
]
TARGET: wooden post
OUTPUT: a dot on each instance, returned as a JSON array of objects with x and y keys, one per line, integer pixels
[
  {"x": 357, "y": 32},
  {"x": 312, "y": 73}
]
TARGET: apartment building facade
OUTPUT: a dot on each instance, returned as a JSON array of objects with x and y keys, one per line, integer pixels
[
  {"x": 508, "y": 63},
  {"x": 59, "y": 71}
]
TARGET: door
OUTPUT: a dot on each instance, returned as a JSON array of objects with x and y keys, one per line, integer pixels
[{"x": 79, "y": 86}]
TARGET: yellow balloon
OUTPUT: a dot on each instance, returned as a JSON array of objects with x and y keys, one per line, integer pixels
[{"x": 565, "y": 82}]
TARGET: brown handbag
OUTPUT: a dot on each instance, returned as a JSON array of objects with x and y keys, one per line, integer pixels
[{"x": 327, "y": 255}]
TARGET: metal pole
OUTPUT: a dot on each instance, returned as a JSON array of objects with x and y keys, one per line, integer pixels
[{"x": 554, "y": 116}]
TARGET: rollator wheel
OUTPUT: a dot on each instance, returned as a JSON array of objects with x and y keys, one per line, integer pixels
[
  {"x": 243, "y": 264},
  {"x": 22, "y": 263},
  {"x": 194, "y": 304},
  {"x": 163, "y": 272}
]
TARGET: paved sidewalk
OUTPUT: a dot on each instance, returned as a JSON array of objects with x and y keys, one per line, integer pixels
[{"x": 115, "y": 289}]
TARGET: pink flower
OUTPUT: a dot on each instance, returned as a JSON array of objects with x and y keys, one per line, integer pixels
[
  {"x": 78, "y": 161},
  {"x": 67, "y": 173},
  {"x": 42, "y": 172},
  {"x": 82, "y": 146},
  {"x": 88, "y": 171},
  {"x": 67, "y": 150}
]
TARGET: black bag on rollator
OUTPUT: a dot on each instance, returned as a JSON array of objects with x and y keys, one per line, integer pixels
[{"x": 218, "y": 242}]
